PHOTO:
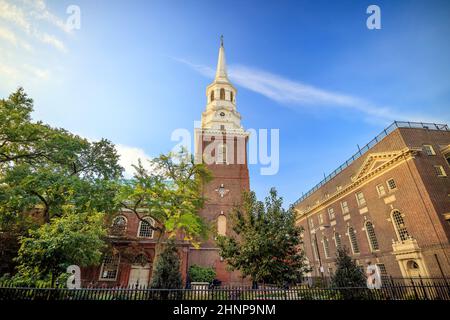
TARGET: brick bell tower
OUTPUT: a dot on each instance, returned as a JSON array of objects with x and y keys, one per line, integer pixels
[{"x": 221, "y": 143}]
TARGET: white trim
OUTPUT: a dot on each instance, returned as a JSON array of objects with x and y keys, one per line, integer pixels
[{"x": 139, "y": 227}]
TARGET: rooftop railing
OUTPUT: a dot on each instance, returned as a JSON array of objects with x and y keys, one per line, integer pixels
[{"x": 367, "y": 147}]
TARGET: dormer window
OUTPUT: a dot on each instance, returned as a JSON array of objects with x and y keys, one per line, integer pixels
[{"x": 222, "y": 94}]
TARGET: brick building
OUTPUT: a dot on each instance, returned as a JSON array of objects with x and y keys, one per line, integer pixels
[
  {"x": 221, "y": 144},
  {"x": 389, "y": 204}
]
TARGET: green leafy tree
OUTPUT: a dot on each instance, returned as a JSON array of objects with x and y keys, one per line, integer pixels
[
  {"x": 348, "y": 274},
  {"x": 45, "y": 169},
  {"x": 70, "y": 239},
  {"x": 266, "y": 243},
  {"x": 166, "y": 274},
  {"x": 201, "y": 274},
  {"x": 171, "y": 194}
]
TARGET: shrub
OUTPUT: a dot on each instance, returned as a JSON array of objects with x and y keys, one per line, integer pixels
[{"x": 201, "y": 274}]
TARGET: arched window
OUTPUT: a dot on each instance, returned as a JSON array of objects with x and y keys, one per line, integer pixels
[
  {"x": 371, "y": 236},
  {"x": 353, "y": 240},
  {"x": 222, "y": 94},
  {"x": 212, "y": 96},
  {"x": 337, "y": 240},
  {"x": 231, "y": 96},
  {"x": 146, "y": 227},
  {"x": 222, "y": 225},
  {"x": 326, "y": 247},
  {"x": 119, "y": 224},
  {"x": 110, "y": 266},
  {"x": 399, "y": 225}
]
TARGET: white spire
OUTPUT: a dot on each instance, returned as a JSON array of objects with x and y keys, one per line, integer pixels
[{"x": 221, "y": 72}]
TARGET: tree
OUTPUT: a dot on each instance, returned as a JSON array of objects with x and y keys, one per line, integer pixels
[
  {"x": 348, "y": 275},
  {"x": 167, "y": 274},
  {"x": 44, "y": 170},
  {"x": 266, "y": 244},
  {"x": 170, "y": 193},
  {"x": 70, "y": 239}
]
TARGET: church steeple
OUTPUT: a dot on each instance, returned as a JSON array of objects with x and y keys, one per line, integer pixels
[
  {"x": 221, "y": 110},
  {"x": 221, "y": 72}
]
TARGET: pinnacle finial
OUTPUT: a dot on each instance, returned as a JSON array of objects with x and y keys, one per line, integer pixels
[{"x": 221, "y": 40}]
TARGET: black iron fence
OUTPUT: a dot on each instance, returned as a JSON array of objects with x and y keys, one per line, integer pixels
[{"x": 408, "y": 289}]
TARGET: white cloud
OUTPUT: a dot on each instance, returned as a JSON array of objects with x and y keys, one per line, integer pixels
[
  {"x": 297, "y": 94},
  {"x": 129, "y": 156},
  {"x": 22, "y": 18},
  {"x": 12, "y": 38},
  {"x": 52, "y": 40},
  {"x": 41, "y": 74},
  {"x": 12, "y": 13},
  {"x": 40, "y": 11}
]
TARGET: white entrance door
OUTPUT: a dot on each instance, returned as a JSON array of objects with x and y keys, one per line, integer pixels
[{"x": 139, "y": 275}]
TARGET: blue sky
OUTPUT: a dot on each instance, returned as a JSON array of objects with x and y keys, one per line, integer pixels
[{"x": 137, "y": 70}]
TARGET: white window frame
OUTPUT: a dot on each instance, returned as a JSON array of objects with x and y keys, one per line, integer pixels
[
  {"x": 389, "y": 186},
  {"x": 103, "y": 265},
  {"x": 347, "y": 210},
  {"x": 320, "y": 218},
  {"x": 442, "y": 172},
  {"x": 326, "y": 247},
  {"x": 120, "y": 216},
  {"x": 152, "y": 222},
  {"x": 331, "y": 213},
  {"x": 359, "y": 201},
  {"x": 381, "y": 194},
  {"x": 374, "y": 235},
  {"x": 337, "y": 243},
  {"x": 352, "y": 245},
  {"x": 429, "y": 150},
  {"x": 397, "y": 227}
]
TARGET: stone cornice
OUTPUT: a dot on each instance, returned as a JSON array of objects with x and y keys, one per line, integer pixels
[{"x": 364, "y": 175}]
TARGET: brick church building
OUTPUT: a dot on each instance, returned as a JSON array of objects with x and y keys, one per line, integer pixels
[
  {"x": 221, "y": 144},
  {"x": 389, "y": 204}
]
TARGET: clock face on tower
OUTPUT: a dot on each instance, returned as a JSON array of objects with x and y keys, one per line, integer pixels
[{"x": 222, "y": 114}]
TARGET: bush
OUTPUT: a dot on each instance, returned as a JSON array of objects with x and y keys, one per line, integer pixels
[
  {"x": 167, "y": 270},
  {"x": 201, "y": 274}
]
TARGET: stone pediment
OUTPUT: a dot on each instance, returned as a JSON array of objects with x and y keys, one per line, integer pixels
[{"x": 378, "y": 160}]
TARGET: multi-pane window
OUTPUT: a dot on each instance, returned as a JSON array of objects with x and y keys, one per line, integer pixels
[
  {"x": 109, "y": 267},
  {"x": 331, "y": 213},
  {"x": 371, "y": 236},
  {"x": 382, "y": 268},
  {"x": 337, "y": 240},
  {"x": 316, "y": 256},
  {"x": 399, "y": 224},
  {"x": 321, "y": 218},
  {"x": 146, "y": 228},
  {"x": 119, "y": 224},
  {"x": 428, "y": 149},
  {"x": 381, "y": 190},
  {"x": 391, "y": 184},
  {"x": 440, "y": 171},
  {"x": 360, "y": 198},
  {"x": 353, "y": 240},
  {"x": 326, "y": 247},
  {"x": 344, "y": 206}
]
